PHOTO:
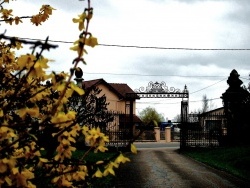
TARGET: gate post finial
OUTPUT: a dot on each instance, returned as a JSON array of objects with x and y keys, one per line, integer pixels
[{"x": 185, "y": 89}]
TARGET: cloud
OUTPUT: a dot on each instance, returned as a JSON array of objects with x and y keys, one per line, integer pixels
[{"x": 152, "y": 23}]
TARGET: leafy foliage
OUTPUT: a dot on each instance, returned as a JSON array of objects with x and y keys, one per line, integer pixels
[{"x": 150, "y": 115}]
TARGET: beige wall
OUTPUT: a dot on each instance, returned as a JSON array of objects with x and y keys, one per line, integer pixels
[{"x": 115, "y": 104}]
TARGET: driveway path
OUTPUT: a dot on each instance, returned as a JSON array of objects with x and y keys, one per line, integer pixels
[{"x": 165, "y": 167}]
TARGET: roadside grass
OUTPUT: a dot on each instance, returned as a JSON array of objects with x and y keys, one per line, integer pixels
[
  {"x": 234, "y": 160},
  {"x": 92, "y": 158}
]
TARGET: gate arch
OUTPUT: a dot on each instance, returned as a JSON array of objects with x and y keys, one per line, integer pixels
[{"x": 160, "y": 90}]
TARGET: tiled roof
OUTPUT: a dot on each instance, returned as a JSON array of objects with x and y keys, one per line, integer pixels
[
  {"x": 119, "y": 88},
  {"x": 91, "y": 83},
  {"x": 122, "y": 88},
  {"x": 126, "y": 118},
  {"x": 217, "y": 110}
]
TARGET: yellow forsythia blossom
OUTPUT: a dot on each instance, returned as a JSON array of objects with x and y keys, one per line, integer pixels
[
  {"x": 133, "y": 148},
  {"x": 80, "y": 20}
]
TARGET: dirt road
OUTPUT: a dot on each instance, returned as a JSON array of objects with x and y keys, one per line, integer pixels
[{"x": 158, "y": 168}]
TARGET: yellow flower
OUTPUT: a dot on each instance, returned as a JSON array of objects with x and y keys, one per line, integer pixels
[
  {"x": 33, "y": 144},
  {"x": 61, "y": 87},
  {"x": 109, "y": 170},
  {"x": 121, "y": 159},
  {"x": 116, "y": 165},
  {"x": 78, "y": 46},
  {"x": 133, "y": 148},
  {"x": 65, "y": 182},
  {"x": 91, "y": 41},
  {"x": 55, "y": 179},
  {"x": 43, "y": 15},
  {"x": 98, "y": 173},
  {"x": 41, "y": 161},
  {"x": 33, "y": 112},
  {"x": 79, "y": 175},
  {"x": 64, "y": 151},
  {"x": 16, "y": 145},
  {"x": 15, "y": 171},
  {"x": 22, "y": 113},
  {"x": 47, "y": 9},
  {"x": 75, "y": 129},
  {"x": 36, "y": 19},
  {"x": 71, "y": 139},
  {"x": 3, "y": 167},
  {"x": 27, "y": 174},
  {"x": 81, "y": 18},
  {"x": 26, "y": 61},
  {"x": 8, "y": 180},
  {"x": 65, "y": 142},
  {"x": 6, "y": 13},
  {"x": 17, "y": 20},
  {"x": 11, "y": 162},
  {"x": 1, "y": 112},
  {"x": 6, "y": 133},
  {"x": 99, "y": 162},
  {"x": 39, "y": 67},
  {"x": 101, "y": 148},
  {"x": 71, "y": 115},
  {"x": 18, "y": 44},
  {"x": 79, "y": 90},
  {"x": 31, "y": 185},
  {"x": 59, "y": 118},
  {"x": 85, "y": 129}
]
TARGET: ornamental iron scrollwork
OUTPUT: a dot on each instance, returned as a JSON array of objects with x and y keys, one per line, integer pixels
[{"x": 159, "y": 90}]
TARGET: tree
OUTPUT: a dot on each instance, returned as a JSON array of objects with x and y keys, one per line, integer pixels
[
  {"x": 205, "y": 105},
  {"x": 177, "y": 118},
  {"x": 34, "y": 106},
  {"x": 150, "y": 115},
  {"x": 91, "y": 110}
]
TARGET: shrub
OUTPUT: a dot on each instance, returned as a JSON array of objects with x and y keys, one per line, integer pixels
[{"x": 38, "y": 130}]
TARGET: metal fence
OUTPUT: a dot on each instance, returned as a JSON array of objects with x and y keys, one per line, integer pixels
[
  {"x": 145, "y": 135},
  {"x": 203, "y": 130},
  {"x": 119, "y": 131}
]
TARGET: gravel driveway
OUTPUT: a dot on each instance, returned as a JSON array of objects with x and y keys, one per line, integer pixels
[{"x": 158, "y": 168}]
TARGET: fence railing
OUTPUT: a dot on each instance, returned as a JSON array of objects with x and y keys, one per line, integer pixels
[
  {"x": 119, "y": 130},
  {"x": 205, "y": 130}
]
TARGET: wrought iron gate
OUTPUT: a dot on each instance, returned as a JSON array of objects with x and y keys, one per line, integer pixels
[
  {"x": 160, "y": 90},
  {"x": 203, "y": 130}
]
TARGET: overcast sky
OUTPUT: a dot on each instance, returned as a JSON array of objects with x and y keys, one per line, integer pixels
[{"x": 163, "y": 24}]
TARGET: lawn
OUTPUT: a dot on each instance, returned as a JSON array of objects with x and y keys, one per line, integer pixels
[
  {"x": 234, "y": 160},
  {"x": 92, "y": 158}
]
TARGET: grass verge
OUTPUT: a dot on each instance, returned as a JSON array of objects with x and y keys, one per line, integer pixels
[
  {"x": 234, "y": 160},
  {"x": 92, "y": 158}
]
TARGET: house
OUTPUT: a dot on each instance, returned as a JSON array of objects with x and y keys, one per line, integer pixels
[
  {"x": 115, "y": 94},
  {"x": 115, "y": 97},
  {"x": 119, "y": 104},
  {"x": 213, "y": 120}
]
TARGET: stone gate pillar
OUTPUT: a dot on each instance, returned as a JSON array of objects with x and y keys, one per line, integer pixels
[
  {"x": 157, "y": 134},
  {"x": 168, "y": 134},
  {"x": 236, "y": 104}
]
